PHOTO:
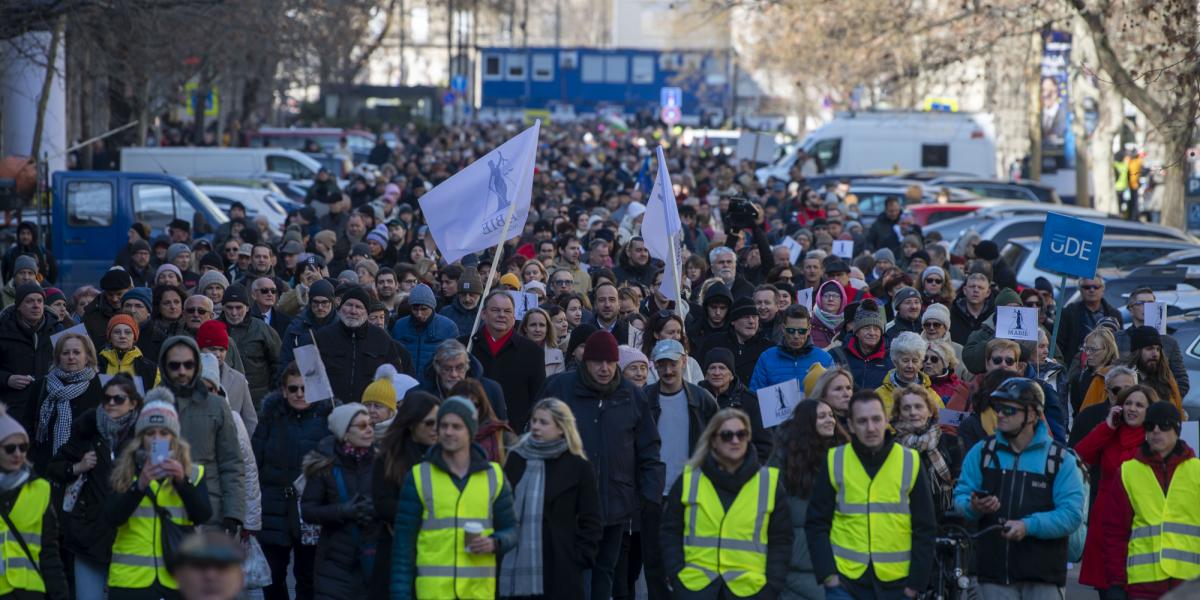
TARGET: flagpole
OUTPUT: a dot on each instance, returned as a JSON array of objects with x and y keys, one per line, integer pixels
[{"x": 487, "y": 286}]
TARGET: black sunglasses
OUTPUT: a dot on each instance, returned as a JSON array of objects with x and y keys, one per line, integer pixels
[
  {"x": 295, "y": 389},
  {"x": 1164, "y": 427},
  {"x": 795, "y": 330},
  {"x": 175, "y": 366},
  {"x": 999, "y": 360},
  {"x": 13, "y": 448},
  {"x": 1007, "y": 410},
  {"x": 934, "y": 280},
  {"x": 1089, "y": 288},
  {"x": 116, "y": 399},
  {"x": 728, "y": 436}
]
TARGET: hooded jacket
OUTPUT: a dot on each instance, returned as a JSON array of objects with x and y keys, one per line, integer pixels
[
  {"x": 699, "y": 326},
  {"x": 821, "y": 332},
  {"x": 422, "y": 340},
  {"x": 206, "y": 422},
  {"x": 46, "y": 263},
  {"x": 462, "y": 317},
  {"x": 780, "y": 363}
]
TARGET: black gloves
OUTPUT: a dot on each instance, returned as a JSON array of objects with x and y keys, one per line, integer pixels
[
  {"x": 359, "y": 508},
  {"x": 232, "y": 526}
]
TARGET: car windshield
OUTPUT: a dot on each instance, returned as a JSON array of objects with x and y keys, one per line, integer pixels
[{"x": 209, "y": 206}]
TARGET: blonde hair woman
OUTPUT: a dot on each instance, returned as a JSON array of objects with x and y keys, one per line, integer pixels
[
  {"x": 538, "y": 327},
  {"x": 915, "y": 418},
  {"x": 70, "y": 389},
  {"x": 154, "y": 478},
  {"x": 1100, "y": 353},
  {"x": 739, "y": 513},
  {"x": 555, "y": 499},
  {"x": 834, "y": 387}
]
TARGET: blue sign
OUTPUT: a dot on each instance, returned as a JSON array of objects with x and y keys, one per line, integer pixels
[
  {"x": 448, "y": 98},
  {"x": 1070, "y": 246},
  {"x": 458, "y": 83},
  {"x": 1193, "y": 186},
  {"x": 671, "y": 96},
  {"x": 1193, "y": 215}
]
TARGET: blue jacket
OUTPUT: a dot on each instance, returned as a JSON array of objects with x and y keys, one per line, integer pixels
[
  {"x": 462, "y": 317},
  {"x": 422, "y": 343},
  {"x": 777, "y": 365},
  {"x": 1068, "y": 485},
  {"x": 869, "y": 371}
]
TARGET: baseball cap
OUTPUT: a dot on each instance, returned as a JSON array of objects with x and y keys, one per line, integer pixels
[{"x": 667, "y": 350}]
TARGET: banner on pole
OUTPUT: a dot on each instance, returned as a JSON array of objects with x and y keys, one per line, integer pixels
[{"x": 663, "y": 231}]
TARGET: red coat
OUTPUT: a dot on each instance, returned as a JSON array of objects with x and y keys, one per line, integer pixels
[
  {"x": 1119, "y": 523},
  {"x": 1107, "y": 448}
]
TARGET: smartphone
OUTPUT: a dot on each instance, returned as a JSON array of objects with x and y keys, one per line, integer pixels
[
  {"x": 160, "y": 451},
  {"x": 981, "y": 493}
]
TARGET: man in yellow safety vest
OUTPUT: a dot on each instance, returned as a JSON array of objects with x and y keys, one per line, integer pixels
[
  {"x": 1157, "y": 509},
  {"x": 871, "y": 522},
  {"x": 454, "y": 516}
]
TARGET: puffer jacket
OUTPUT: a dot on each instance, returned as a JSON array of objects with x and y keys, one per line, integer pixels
[
  {"x": 462, "y": 317},
  {"x": 24, "y": 351},
  {"x": 339, "y": 568},
  {"x": 111, "y": 361},
  {"x": 259, "y": 346},
  {"x": 868, "y": 370},
  {"x": 283, "y": 438},
  {"x": 422, "y": 342},
  {"x": 779, "y": 364},
  {"x": 299, "y": 333}
]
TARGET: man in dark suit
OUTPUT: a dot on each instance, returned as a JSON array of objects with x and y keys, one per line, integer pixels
[{"x": 265, "y": 292}]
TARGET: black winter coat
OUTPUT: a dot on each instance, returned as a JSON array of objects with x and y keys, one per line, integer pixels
[
  {"x": 84, "y": 531},
  {"x": 619, "y": 433},
  {"x": 299, "y": 333},
  {"x": 352, "y": 355},
  {"x": 284, "y": 436},
  {"x": 571, "y": 526},
  {"x": 962, "y": 324},
  {"x": 385, "y": 493},
  {"x": 95, "y": 320},
  {"x": 495, "y": 394},
  {"x": 513, "y": 368},
  {"x": 24, "y": 351},
  {"x": 339, "y": 572},
  {"x": 745, "y": 355},
  {"x": 739, "y": 397},
  {"x": 41, "y": 452},
  {"x": 883, "y": 235}
]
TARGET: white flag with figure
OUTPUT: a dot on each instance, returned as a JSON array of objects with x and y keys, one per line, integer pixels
[
  {"x": 663, "y": 231},
  {"x": 466, "y": 213}
]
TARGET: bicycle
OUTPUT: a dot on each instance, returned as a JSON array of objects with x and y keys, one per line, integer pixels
[{"x": 953, "y": 547}]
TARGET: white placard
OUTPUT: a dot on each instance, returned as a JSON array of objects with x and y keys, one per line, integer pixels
[
  {"x": 522, "y": 302},
  {"x": 804, "y": 297},
  {"x": 794, "y": 248},
  {"x": 843, "y": 248},
  {"x": 776, "y": 402},
  {"x": 80, "y": 329},
  {"x": 1156, "y": 316},
  {"x": 316, "y": 380},
  {"x": 1191, "y": 434},
  {"x": 951, "y": 417},
  {"x": 137, "y": 383},
  {"x": 1017, "y": 323}
]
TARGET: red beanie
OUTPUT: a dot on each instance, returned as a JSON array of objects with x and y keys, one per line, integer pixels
[
  {"x": 122, "y": 319},
  {"x": 212, "y": 333},
  {"x": 601, "y": 346}
]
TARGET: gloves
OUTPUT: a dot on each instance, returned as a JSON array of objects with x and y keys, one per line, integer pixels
[
  {"x": 364, "y": 512},
  {"x": 232, "y": 526},
  {"x": 350, "y": 509}
]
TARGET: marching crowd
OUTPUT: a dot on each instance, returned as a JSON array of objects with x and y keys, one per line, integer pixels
[{"x": 166, "y": 434}]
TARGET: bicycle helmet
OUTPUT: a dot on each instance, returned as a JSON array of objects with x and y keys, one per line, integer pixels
[{"x": 1021, "y": 390}]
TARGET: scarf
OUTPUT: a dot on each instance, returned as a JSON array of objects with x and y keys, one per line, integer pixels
[
  {"x": 351, "y": 451},
  {"x": 110, "y": 429},
  {"x": 603, "y": 390},
  {"x": 925, "y": 438},
  {"x": 521, "y": 570},
  {"x": 15, "y": 479},
  {"x": 61, "y": 389},
  {"x": 831, "y": 320}
]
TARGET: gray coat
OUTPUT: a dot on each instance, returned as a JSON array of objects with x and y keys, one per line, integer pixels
[{"x": 237, "y": 392}]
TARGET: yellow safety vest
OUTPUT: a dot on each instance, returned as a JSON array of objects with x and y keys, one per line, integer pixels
[
  {"x": 1165, "y": 540},
  {"x": 871, "y": 522},
  {"x": 444, "y": 567},
  {"x": 137, "y": 557},
  {"x": 19, "y": 573},
  {"x": 729, "y": 544}
]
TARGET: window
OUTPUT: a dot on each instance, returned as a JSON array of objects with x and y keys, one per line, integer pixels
[
  {"x": 568, "y": 59},
  {"x": 828, "y": 153},
  {"x": 542, "y": 68},
  {"x": 593, "y": 69},
  {"x": 491, "y": 68},
  {"x": 89, "y": 204},
  {"x": 643, "y": 69},
  {"x": 935, "y": 155},
  {"x": 515, "y": 70},
  {"x": 156, "y": 204},
  {"x": 1128, "y": 258},
  {"x": 614, "y": 69},
  {"x": 290, "y": 167}
]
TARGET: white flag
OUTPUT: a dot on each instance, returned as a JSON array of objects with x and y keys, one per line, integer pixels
[
  {"x": 663, "y": 231},
  {"x": 466, "y": 212}
]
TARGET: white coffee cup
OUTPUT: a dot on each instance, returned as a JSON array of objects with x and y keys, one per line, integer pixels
[{"x": 472, "y": 530}]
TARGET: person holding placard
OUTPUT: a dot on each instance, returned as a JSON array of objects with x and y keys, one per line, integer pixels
[{"x": 1139, "y": 299}]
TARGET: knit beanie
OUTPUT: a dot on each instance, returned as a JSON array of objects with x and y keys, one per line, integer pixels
[
  {"x": 379, "y": 235},
  {"x": 360, "y": 249},
  {"x": 339, "y": 420},
  {"x": 9, "y": 426},
  {"x": 469, "y": 282},
  {"x": 1007, "y": 296},
  {"x": 720, "y": 355},
  {"x": 348, "y": 276},
  {"x": 175, "y": 250},
  {"x": 987, "y": 250},
  {"x": 210, "y": 278},
  {"x": 25, "y": 261},
  {"x": 157, "y": 414},
  {"x": 212, "y": 260},
  {"x": 885, "y": 254},
  {"x": 903, "y": 293},
  {"x": 869, "y": 313},
  {"x": 165, "y": 267},
  {"x": 212, "y": 334},
  {"x": 579, "y": 335},
  {"x": 422, "y": 295},
  {"x": 54, "y": 295},
  {"x": 933, "y": 270},
  {"x": 320, "y": 288},
  {"x": 380, "y": 392},
  {"x": 1143, "y": 337},
  {"x": 122, "y": 319},
  {"x": 630, "y": 355},
  {"x": 356, "y": 293},
  {"x": 115, "y": 279},
  {"x": 937, "y": 312},
  {"x": 815, "y": 371},
  {"x": 601, "y": 346},
  {"x": 464, "y": 408},
  {"x": 26, "y": 289},
  {"x": 236, "y": 293},
  {"x": 210, "y": 368},
  {"x": 141, "y": 294}
]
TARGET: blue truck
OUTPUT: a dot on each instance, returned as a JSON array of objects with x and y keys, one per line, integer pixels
[{"x": 91, "y": 212}]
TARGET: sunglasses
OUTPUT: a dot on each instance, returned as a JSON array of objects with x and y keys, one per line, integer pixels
[
  {"x": 116, "y": 399},
  {"x": 1116, "y": 390},
  {"x": 1007, "y": 410},
  {"x": 295, "y": 389},
  {"x": 933, "y": 325},
  {"x": 1033, "y": 304},
  {"x": 177, "y": 366},
  {"x": 937, "y": 280},
  {"x": 564, "y": 282},
  {"x": 728, "y": 436},
  {"x": 13, "y": 448},
  {"x": 795, "y": 330},
  {"x": 997, "y": 361},
  {"x": 1164, "y": 427},
  {"x": 196, "y": 310},
  {"x": 1090, "y": 288},
  {"x": 932, "y": 358},
  {"x": 267, "y": 291}
]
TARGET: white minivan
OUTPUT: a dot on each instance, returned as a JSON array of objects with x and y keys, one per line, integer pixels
[
  {"x": 862, "y": 143},
  {"x": 239, "y": 163}
]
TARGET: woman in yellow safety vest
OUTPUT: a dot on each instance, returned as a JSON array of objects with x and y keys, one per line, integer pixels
[
  {"x": 154, "y": 479},
  {"x": 28, "y": 529},
  {"x": 726, "y": 530}
]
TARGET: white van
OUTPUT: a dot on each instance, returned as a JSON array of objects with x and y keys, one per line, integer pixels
[
  {"x": 236, "y": 163},
  {"x": 895, "y": 141}
]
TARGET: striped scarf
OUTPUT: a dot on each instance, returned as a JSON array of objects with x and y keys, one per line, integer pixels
[
  {"x": 521, "y": 572},
  {"x": 61, "y": 388}
]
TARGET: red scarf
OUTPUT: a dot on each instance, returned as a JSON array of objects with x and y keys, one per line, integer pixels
[{"x": 494, "y": 345}]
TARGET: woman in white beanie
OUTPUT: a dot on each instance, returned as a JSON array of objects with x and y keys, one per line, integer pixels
[
  {"x": 154, "y": 478},
  {"x": 935, "y": 327},
  {"x": 33, "y": 567}
]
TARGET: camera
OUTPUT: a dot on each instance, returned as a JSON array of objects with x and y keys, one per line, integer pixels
[{"x": 740, "y": 214}]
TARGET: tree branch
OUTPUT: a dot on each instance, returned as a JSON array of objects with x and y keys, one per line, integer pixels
[{"x": 1111, "y": 63}]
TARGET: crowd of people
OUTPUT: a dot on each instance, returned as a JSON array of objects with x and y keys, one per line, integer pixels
[{"x": 610, "y": 435}]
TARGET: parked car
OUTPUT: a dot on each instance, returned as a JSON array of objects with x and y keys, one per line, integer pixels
[
  {"x": 1186, "y": 331},
  {"x": 1119, "y": 255},
  {"x": 257, "y": 202},
  {"x": 993, "y": 188},
  {"x": 1003, "y": 227},
  {"x": 873, "y": 194}
]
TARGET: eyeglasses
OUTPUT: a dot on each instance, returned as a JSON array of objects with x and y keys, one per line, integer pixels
[
  {"x": 1089, "y": 287},
  {"x": 933, "y": 325},
  {"x": 13, "y": 448},
  {"x": 116, "y": 399},
  {"x": 1116, "y": 390},
  {"x": 231, "y": 250},
  {"x": 1003, "y": 360},
  {"x": 295, "y": 389},
  {"x": 563, "y": 282},
  {"x": 1093, "y": 349},
  {"x": 177, "y": 366},
  {"x": 196, "y": 310},
  {"x": 1007, "y": 410},
  {"x": 1164, "y": 427},
  {"x": 932, "y": 358},
  {"x": 937, "y": 280},
  {"x": 321, "y": 302},
  {"x": 727, "y": 436},
  {"x": 267, "y": 291},
  {"x": 795, "y": 330}
]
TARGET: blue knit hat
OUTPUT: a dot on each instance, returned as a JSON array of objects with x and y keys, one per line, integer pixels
[
  {"x": 422, "y": 295},
  {"x": 379, "y": 234},
  {"x": 141, "y": 294}
]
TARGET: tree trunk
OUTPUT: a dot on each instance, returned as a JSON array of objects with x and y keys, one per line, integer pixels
[
  {"x": 1174, "y": 176},
  {"x": 1100, "y": 148},
  {"x": 47, "y": 82},
  {"x": 1033, "y": 83}
]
